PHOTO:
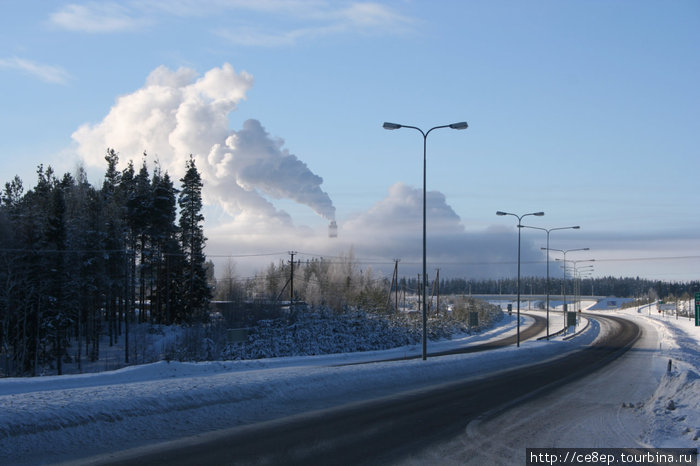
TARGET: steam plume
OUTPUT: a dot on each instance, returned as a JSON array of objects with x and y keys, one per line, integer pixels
[{"x": 177, "y": 113}]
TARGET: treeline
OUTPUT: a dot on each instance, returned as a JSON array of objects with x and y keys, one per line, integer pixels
[
  {"x": 338, "y": 283},
  {"x": 77, "y": 261},
  {"x": 604, "y": 286}
]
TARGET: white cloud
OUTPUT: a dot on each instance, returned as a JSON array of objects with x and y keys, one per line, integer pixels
[
  {"x": 294, "y": 20},
  {"x": 47, "y": 73},
  {"x": 195, "y": 8},
  {"x": 372, "y": 15},
  {"x": 97, "y": 17},
  {"x": 392, "y": 228},
  {"x": 249, "y": 36},
  {"x": 177, "y": 113},
  {"x": 401, "y": 213},
  {"x": 320, "y": 19}
]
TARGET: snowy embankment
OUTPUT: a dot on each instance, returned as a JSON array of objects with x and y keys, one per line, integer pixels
[
  {"x": 89, "y": 414},
  {"x": 674, "y": 409}
]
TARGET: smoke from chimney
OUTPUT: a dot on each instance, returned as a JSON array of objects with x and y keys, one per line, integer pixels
[{"x": 176, "y": 114}]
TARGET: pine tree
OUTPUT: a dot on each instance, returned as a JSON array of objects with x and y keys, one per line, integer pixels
[
  {"x": 166, "y": 250},
  {"x": 195, "y": 290},
  {"x": 44, "y": 236},
  {"x": 114, "y": 245},
  {"x": 126, "y": 193},
  {"x": 138, "y": 216}
]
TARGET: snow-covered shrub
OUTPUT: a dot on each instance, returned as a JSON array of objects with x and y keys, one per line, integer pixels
[{"x": 322, "y": 331}]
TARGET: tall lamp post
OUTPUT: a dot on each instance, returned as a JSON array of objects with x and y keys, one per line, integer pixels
[
  {"x": 564, "y": 253},
  {"x": 548, "y": 230},
  {"x": 520, "y": 226},
  {"x": 392, "y": 126}
]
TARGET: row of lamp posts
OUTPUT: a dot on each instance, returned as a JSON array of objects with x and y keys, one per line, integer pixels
[
  {"x": 423, "y": 284},
  {"x": 547, "y": 249}
]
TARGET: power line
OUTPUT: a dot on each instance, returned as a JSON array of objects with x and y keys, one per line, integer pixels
[
  {"x": 341, "y": 259},
  {"x": 249, "y": 255}
]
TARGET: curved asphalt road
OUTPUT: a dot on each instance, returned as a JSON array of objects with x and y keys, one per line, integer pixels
[
  {"x": 386, "y": 429},
  {"x": 528, "y": 332}
]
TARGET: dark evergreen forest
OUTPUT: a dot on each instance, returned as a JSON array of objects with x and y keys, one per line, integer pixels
[
  {"x": 80, "y": 264},
  {"x": 602, "y": 286},
  {"x": 78, "y": 261}
]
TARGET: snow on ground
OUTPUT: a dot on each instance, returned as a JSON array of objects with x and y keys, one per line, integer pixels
[
  {"x": 78, "y": 416},
  {"x": 602, "y": 410},
  {"x": 674, "y": 409}
]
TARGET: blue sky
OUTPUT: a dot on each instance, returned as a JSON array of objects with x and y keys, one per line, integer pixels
[{"x": 586, "y": 110}]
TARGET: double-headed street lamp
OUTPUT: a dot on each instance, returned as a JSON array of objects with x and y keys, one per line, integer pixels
[
  {"x": 548, "y": 230},
  {"x": 564, "y": 253},
  {"x": 520, "y": 226},
  {"x": 424, "y": 284}
]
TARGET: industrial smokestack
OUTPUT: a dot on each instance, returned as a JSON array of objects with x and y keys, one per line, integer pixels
[{"x": 332, "y": 229}]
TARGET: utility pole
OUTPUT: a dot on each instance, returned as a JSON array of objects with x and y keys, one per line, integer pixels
[
  {"x": 419, "y": 291},
  {"x": 395, "y": 282},
  {"x": 437, "y": 287},
  {"x": 403, "y": 288},
  {"x": 291, "y": 279}
]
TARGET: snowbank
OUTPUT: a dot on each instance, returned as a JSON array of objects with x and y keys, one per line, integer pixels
[
  {"x": 674, "y": 409},
  {"x": 84, "y": 415}
]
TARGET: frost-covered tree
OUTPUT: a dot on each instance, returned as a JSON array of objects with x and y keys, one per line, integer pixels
[{"x": 75, "y": 259}]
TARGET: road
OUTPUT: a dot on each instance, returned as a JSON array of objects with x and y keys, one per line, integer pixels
[
  {"x": 531, "y": 331},
  {"x": 605, "y": 410},
  {"x": 526, "y": 333},
  {"x": 388, "y": 429}
]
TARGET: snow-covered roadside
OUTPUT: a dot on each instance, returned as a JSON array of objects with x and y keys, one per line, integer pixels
[
  {"x": 622, "y": 405},
  {"x": 160, "y": 370},
  {"x": 82, "y": 415},
  {"x": 674, "y": 409}
]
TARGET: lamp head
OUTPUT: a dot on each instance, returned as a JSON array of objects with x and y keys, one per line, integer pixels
[
  {"x": 538, "y": 214},
  {"x": 460, "y": 125},
  {"x": 501, "y": 213},
  {"x": 577, "y": 227},
  {"x": 390, "y": 126}
]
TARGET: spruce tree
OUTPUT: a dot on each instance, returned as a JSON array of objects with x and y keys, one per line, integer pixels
[
  {"x": 113, "y": 242},
  {"x": 195, "y": 290},
  {"x": 126, "y": 193},
  {"x": 166, "y": 251},
  {"x": 139, "y": 211}
]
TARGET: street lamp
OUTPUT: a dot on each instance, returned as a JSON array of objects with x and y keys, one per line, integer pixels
[
  {"x": 520, "y": 226},
  {"x": 548, "y": 230},
  {"x": 564, "y": 252},
  {"x": 577, "y": 280},
  {"x": 424, "y": 283}
]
